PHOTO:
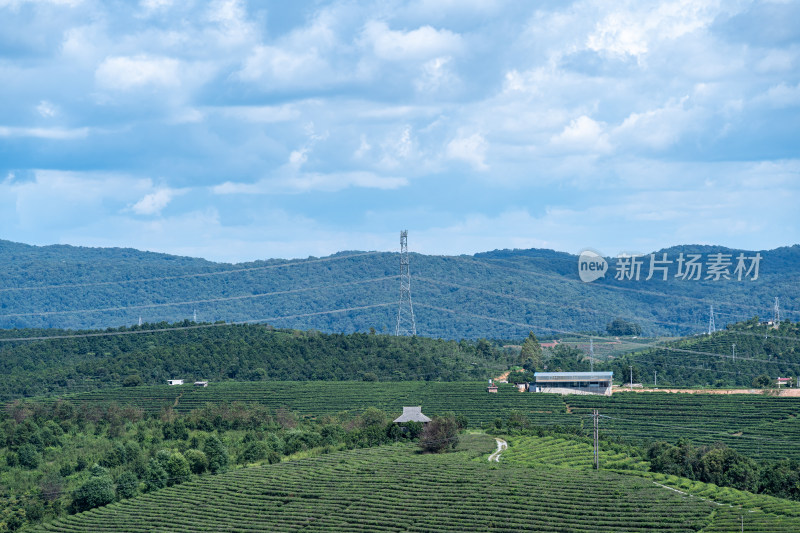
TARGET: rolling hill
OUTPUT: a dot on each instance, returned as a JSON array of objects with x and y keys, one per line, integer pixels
[{"x": 499, "y": 294}]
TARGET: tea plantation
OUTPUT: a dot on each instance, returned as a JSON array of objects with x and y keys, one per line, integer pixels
[
  {"x": 395, "y": 488},
  {"x": 762, "y": 427}
]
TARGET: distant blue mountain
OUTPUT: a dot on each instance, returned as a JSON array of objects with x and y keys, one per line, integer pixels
[{"x": 500, "y": 294}]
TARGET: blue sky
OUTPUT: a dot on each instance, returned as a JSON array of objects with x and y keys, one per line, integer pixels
[{"x": 237, "y": 131}]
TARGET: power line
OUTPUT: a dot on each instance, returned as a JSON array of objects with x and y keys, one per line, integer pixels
[
  {"x": 207, "y": 300},
  {"x": 704, "y": 301},
  {"x": 699, "y": 430},
  {"x": 571, "y": 307},
  {"x": 653, "y": 345},
  {"x": 300, "y": 262},
  {"x": 195, "y": 326}
]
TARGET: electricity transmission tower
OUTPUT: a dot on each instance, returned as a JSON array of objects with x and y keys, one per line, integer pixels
[
  {"x": 405, "y": 311},
  {"x": 591, "y": 353},
  {"x": 596, "y": 418},
  {"x": 776, "y": 313},
  {"x": 711, "y": 327}
]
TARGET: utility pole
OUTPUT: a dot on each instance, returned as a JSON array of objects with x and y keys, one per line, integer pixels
[
  {"x": 596, "y": 417},
  {"x": 140, "y": 320},
  {"x": 655, "y": 378},
  {"x": 631, "y": 367},
  {"x": 733, "y": 351},
  {"x": 776, "y": 314},
  {"x": 591, "y": 353},
  {"x": 711, "y": 327},
  {"x": 194, "y": 319},
  {"x": 405, "y": 311}
]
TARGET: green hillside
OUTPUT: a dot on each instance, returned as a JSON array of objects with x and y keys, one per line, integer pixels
[
  {"x": 760, "y": 426},
  {"x": 729, "y": 358},
  {"x": 500, "y": 294},
  {"x": 152, "y": 354},
  {"x": 397, "y": 489},
  {"x": 117, "y": 450}
]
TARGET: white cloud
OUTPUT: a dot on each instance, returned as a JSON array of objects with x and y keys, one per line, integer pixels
[
  {"x": 14, "y": 4},
  {"x": 155, "y": 202},
  {"x": 312, "y": 181},
  {"x": 421, "y": 44},
  {"x": 60, "y": 134},
  {"x": 471, "y": 149},
  {"x": 46, "y": 109},
  {"x": 275, "y": 64},
  {"x": 398, "y": 148},
  {"x": 260, "y": 114},
  {"x": 583, "y": 134},
  {"x": 437, "y": 76},
  {"x": 635, "y": 31},
  {"x": 232, "y": 28},
  {"x": 298, "y": 157},
  {"x": 781, "y": 96},
  {"x": 363, "y": 148},
  {"x": 658, "y": 128},
  {"x": 152, "y": 6},
  {"x": 124, "y": 73},
  {"x": 55, "y": 200}
]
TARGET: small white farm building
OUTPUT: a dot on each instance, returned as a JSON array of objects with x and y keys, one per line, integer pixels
[
  {"x": 412, "y": 414},
  {"x": 573, "y": 382},
  {"x": 174, "y": 382}
]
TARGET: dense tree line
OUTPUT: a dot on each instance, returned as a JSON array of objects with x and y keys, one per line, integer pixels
[
  {"x": 231, "y": 352},
  {"x": 63, "y": 457},
  {"x": 746, "y": 354}
]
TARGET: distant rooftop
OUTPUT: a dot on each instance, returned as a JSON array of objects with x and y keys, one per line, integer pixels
[
  {"x": 573, "y": 376},
  {"x": 412, "y": 414}
]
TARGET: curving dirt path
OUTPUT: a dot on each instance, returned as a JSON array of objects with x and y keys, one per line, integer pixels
[{"x": 501, "y": 445}]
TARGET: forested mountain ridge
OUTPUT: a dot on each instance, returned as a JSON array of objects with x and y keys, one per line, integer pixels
[{"x": 499, "y": 294}]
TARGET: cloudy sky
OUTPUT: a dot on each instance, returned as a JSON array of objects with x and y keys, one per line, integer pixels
[{"x": 237, "y": 131}]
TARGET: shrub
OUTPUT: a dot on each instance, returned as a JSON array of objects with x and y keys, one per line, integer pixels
[
  {"x": 253, "y": 451},
  {"x": 178, "y": 469},
  {"x": 28, "y": 456},
  {"x": 439, "y": 434},
  {"x": 97, "y": 491},
  {"x": 127, "y": 485},
  {"x": 217, "y": 454},
  {"x": 198, "y": 462},
  {"x": 134, "y": 380},
  {"x": 155, "y": 476}
]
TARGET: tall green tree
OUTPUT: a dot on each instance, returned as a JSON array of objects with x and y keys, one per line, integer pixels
[
  {"x": 440, "y": 434},
  {"x": 97, "y": 491},
  {"x": 217, "y": 454},
  {"x": 531, "y": 349}
]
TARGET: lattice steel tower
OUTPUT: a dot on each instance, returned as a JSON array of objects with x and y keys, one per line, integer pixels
[
  {"x": 405, "y": 311},
  {"x": 711, "y": 327}
]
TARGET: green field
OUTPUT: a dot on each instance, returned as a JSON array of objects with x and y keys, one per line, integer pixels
[
  {"x": 540, "y": 484},
  {"x": 762, "y": 427},
  {"x": 394, "y": 488}
]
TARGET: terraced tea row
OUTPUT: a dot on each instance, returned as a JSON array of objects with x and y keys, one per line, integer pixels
[
  {"x": 759, "y": 426},
  {"x": 325, "y": 397},
  {"x": 395, "y": 488},
  {"x": 555, "y": 451}
]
